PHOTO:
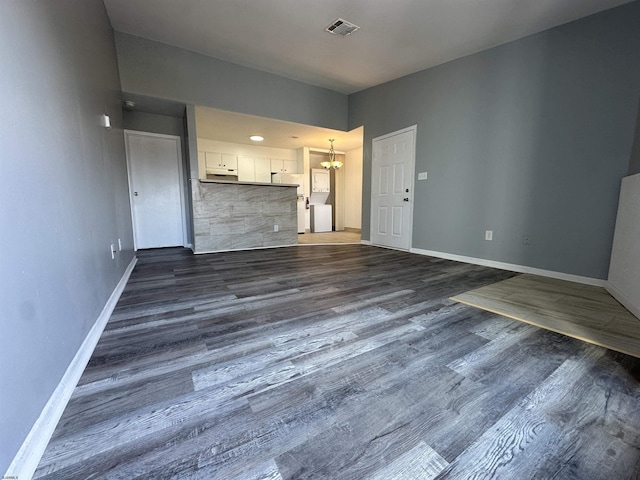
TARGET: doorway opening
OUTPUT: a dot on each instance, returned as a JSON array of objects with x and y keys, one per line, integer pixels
[{"x": 344, "y": 198}]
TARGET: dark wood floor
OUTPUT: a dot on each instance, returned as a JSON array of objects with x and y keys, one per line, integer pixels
[{"x": 337, "y": 362}]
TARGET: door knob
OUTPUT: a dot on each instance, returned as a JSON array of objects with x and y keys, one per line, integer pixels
[
  {"x": 407, "y": 190},
  {"x": 406, "y": 199},
  {"x": 135, "y": 194}
]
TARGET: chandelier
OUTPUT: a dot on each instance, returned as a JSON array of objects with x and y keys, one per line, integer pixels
[{"x": 332, "y": 163}]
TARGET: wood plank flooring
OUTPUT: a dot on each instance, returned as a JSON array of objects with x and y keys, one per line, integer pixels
[
  {"x": 328, "y": 238},
  {"x": 338, "y": 362},
  {"x": 584, "y": 312}
]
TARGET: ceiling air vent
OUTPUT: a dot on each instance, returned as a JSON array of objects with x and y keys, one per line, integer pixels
[{"x": 341, "y": 27}]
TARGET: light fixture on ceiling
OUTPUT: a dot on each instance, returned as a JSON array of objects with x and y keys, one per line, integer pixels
[
  {"x": 332, "y": 163},
  {"x": 256, "y": 138}
]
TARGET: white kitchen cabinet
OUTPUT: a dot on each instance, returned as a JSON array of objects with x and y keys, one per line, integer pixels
[
  {"x": 229, "y": 161},
  {"x": 213, "y": 160},
  {"x": 276, "y": 165},
  {"x": 246, "y": 169},
  {"x": 221, "y": 163},
  {"x": 284, "y": 166},
  {"x": 263, "y": 169},
  {"x": 254, "y": 169}
]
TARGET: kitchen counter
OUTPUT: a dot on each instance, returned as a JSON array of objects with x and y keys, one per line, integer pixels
[
  {"x": 229, "y": 215},
  {"x": 263, "y": 184}
]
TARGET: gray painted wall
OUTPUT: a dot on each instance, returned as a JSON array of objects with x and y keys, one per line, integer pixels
[
  {"x": 634, "y": 161},
  {"x": 529, "y": 138},
  {"x": 192, "y": 163},
  {"x": 159, "y": 70},
  {"x": 63, "y": 196},
  {"x": 192, "y": 141},
  {"x": 154, "y": 123}
]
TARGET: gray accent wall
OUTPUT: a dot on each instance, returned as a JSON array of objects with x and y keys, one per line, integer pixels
[
  {"x": 528, "y": 139},
  {"x": 634, "y": 162},
  {"x": 192, "y": 141},
  {"x": 158, "y": 70},
  {"x": 63, "y": 197},
  {"x": 154, "y": 123}
]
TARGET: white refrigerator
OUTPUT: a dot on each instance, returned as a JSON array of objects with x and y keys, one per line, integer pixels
[{"x": 294, "y": 179}]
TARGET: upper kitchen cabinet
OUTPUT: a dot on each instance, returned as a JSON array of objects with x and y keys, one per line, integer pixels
[
  {"x": 284, "y": 166},
  {"x": 221, "y": 163},
  {"x": 244, "y": 163},
  {"x": 254, "y": 169},
  {"x": 263, "y": 172}
]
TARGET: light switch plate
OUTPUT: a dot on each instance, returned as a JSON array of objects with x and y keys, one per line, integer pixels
[
  {"x": 488, "y": 235},
  {"x": 422, "y": 176}
]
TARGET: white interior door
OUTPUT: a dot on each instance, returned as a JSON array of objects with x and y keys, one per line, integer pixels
[
  {"x": 155, "y": 185},
  {"x": 393, "y": 160}
]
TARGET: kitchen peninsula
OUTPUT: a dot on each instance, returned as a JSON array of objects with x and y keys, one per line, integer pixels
[{"x": 232, "y": 215}]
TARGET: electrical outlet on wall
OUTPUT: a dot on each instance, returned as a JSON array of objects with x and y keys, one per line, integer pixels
[
  {"x": 275, "y": 228},
  {"x": 422, "y": 176},
  {"x": 488, "y": 235},
  {"x": 526, "y": 240}
]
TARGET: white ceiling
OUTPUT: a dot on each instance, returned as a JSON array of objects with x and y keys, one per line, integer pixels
[
  {"x": 287, "y": 38},
  {"x": 237, "y": 128},
  {"x": 396, "y": 37}
]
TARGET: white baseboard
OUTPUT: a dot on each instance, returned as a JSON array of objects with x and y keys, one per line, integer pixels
[
  {"x": 26, "y": 460},
  {"x": 513, "y": 267},
  {"x": 623, "y": 299},
  {"x": 365, "y": 242}
]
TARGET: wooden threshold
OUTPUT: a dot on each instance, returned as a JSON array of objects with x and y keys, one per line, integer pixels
[{"x": 584, "y": 312}]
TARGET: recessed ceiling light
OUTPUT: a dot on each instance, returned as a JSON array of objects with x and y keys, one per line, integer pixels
[{"x": 256, "y": 138}]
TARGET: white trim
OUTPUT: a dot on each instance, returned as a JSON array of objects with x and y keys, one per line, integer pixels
[
  {"x": 365, "y": 242},
  {"x": 26, "y": 460},
  {"x": 513, "y": 267},
  {"x": 623, "y": 299},
  {"x": 391, "y": 248}
]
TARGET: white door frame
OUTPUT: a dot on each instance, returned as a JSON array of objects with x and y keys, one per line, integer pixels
[
  {"x": 413, "y": 129},
  {"x": 338, "y": 197},
  {"x": 183, "y": 210}
]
